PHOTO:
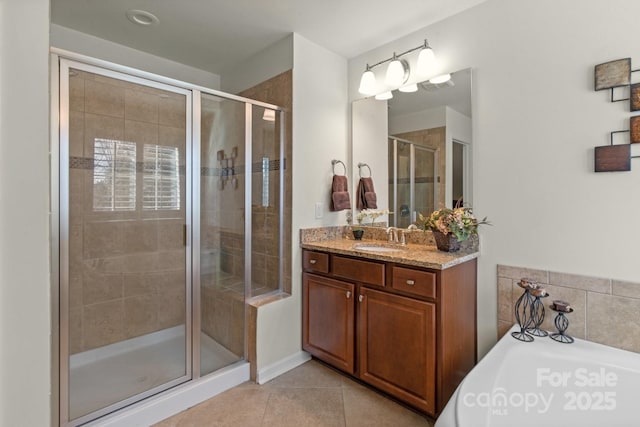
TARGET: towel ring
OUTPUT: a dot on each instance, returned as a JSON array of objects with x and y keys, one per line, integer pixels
[
  {"x": 362, "y": 165},
  {"x": 333, "y": 166}
]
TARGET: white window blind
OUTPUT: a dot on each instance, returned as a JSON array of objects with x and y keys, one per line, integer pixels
[
  {"x": 161, "y": 179},
  {"x": 114, "y": 175}
]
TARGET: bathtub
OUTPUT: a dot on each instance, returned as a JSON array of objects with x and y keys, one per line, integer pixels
[{"x": 546, "y": 383}]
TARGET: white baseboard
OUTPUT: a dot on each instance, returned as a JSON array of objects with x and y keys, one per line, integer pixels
[
  {"x": 172, "y": 402},
  {"x": 280, "y": 367}
]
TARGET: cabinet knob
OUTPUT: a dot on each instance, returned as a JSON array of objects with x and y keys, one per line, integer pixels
[
  {"x": 411, "y": 282},
  {"x": 360, "y": 298},
  {"x": 348, "y": 294},
  {"x": 312, "y": 261}
]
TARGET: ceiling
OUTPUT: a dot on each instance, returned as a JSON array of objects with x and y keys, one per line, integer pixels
[{"x": 213, "y": 35}]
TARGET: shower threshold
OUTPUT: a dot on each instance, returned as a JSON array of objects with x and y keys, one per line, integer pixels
[{"x": 101, "y": 377}]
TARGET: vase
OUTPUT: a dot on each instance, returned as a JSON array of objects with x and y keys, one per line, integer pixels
[
  {"x": 357, "y": 234},
  {"x": 446, "y": 242}
]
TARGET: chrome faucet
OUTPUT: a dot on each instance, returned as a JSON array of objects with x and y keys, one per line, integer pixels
[{"x": 393, "y": 234}]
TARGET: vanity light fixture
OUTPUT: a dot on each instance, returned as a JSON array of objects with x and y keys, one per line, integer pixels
[
  {"x": 443, "y": 78},
  {"x": 413, "y": 87},
  {"x": 398, "y": 71},
  {"x": 426, "y": 60},
  {"x": 384, "y": 95},
  {"x": 367, "y": 82}
]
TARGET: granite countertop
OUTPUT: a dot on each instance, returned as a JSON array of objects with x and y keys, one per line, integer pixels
[{"x": 419, "y": 255}]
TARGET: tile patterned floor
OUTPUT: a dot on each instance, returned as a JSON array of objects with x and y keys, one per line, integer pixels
[{"x": 310, "y": 395}]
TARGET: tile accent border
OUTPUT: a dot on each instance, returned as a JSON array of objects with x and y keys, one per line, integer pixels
[{"x": 605, "y": 310}]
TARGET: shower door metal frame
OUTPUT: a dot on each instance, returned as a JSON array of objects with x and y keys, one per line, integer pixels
[{"x": 63, "y": 233}]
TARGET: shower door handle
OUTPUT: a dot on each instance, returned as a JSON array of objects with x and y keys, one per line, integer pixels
[{"x": 184, "y": 235}]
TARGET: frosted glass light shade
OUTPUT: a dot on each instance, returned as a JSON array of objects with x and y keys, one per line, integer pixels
[
  {"x": 367, "y": 83},
  {"x": 384, "y": 95},
  {"x": 440, "y": 79},
  {"x": 396, "y": 73},
  {"x": 426, "y": 61},
  {"x": 409, "y": 88}
]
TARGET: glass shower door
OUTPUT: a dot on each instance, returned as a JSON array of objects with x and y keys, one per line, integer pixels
[
  {"x": 125, "y": 210},
  {"x": 222, "y": 233},
  {"x": 424, "y": 180},
  {"x": 404, "y": 189},
  {"x": 412, "y": 183}
]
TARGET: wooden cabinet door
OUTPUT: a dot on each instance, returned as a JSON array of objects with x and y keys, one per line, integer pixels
[
  {"x": 328, "y": 320},
  {"x": 397, "y": 346}
]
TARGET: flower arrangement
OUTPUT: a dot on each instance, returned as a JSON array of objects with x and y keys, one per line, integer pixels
[
  {"x": 458, "y": 221},
  {"x": 372, "y": 213}
]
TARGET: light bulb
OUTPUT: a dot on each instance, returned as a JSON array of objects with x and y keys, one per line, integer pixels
[
  {"x": 397, "y": 73},
  {"x": 426, "y": 61},
  {"x": 367, "y": 83},
  {"x": 440, "y": 79},
  {"x": 409, "y": 88},
  {"x": 384, "y": 96}
]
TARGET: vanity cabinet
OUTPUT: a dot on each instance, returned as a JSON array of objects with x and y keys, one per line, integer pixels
[
  {"x": 328, "y": 322},
  {"x": 406, "y": 330},
  {"x": 396, "y": 346}
]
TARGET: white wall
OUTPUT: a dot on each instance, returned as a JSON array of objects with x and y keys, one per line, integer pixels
[
  {"x": 458, "y": 127},
  {"x": 320, "y": 119},
  {"x": 268, "y": 63},
  {"x": 85, "y": 44},
  {"x": 425, "y": 119},
  {"x": 25, "y": 326},
  {"x": 536, "y": 119}
]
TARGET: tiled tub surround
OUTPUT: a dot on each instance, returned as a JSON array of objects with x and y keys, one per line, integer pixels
[{"x": 605, "y": 310}]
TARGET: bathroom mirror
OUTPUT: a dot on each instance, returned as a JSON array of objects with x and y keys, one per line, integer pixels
[{"x": 418, "y": 146}]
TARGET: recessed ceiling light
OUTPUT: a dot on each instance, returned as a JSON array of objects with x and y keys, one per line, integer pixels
[{"x": 142, "y": 17}]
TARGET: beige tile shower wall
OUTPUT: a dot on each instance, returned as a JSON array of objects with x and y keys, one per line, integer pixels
[
  {"x": 126, "y": 269},
  {"x": 605, "y": 310},
  {"x": 435, "y": 139}
]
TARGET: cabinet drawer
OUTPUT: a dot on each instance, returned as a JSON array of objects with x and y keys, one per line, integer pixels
[
  {"x": 422, "y": 283},
  {"x": 315, "y": 261},
  {"x": 359, "y": 270}
]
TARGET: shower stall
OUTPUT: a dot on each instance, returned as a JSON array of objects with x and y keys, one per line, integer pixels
[
  {"x": 413, "y": 180},
  {"x": 168, "y": 218}
]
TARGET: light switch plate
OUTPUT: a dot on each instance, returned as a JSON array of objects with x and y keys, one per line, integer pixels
[{"x": 319, "y": 209}]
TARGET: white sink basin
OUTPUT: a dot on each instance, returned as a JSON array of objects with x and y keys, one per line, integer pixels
[{"x": 372, "y": 247}]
